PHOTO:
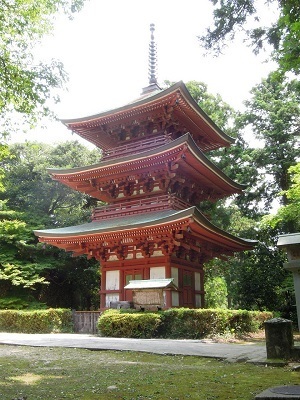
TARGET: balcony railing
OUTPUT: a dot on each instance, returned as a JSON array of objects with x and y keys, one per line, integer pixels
[
  {"x": 135, "y": 147},
  {"x": 131, "y": 207}
]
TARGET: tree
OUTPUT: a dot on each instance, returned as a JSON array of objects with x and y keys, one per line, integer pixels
[
  {"x": 235, "y": 161},
  {"x": 26, "y": 83},
  {"x": 214, "y": 106},
  {"x": 254, "y": 279},
  {"x": 273, "y": 114},
  {"x": 287, "y": 218},
  {"x": 29, "y": 187},
  {"x": 33, "y": 274},
  {"x": 4, "y": 154},
  {"x": 19, "y": 273},
  {"x": 257, "y": 277},
  {"x": 31, "y": 270},
  {"x": 231, "y": 17},
  {"x": 216, "y": 293}
]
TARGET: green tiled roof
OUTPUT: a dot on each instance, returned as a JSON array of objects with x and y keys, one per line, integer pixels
[
  {"x": 117, "y": 224},
  {"x": 145, "y": 220}
]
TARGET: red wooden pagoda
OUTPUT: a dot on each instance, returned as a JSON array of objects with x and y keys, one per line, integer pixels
[{"x": 153, "y": 174}]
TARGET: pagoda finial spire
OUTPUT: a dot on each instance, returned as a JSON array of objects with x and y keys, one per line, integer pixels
[
  {"x": 153, "y": 85},
  {"x": 152, "y": 57}
]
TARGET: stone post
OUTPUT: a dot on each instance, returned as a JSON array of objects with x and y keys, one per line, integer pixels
[
  {"x": 279, "y": 338},
  {"x": 291, "y": 243}
]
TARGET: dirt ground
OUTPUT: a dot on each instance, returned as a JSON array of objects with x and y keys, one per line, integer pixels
[{"x": 257, "y": 337}]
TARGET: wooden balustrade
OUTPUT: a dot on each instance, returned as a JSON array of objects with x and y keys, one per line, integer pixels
[
  {"x": 135, "y": 147},
  {"x": 154, "y": 203}
]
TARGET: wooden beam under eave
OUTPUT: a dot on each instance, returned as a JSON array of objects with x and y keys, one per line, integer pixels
[
  {"x": 195, "y": 248},
  {"x": 185, "y": 245},
  {"x": 79, "y": 252},
  {"x": 54, "y": 243},
  {"x": 82, "y": 185},
  {"x": 92, "y": 192}
]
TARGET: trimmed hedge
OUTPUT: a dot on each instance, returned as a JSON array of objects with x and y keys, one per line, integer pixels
[
  {"x": 180, "y": 323},
  {"x": 37, "y": 321},
  {"x": 133, "y": 325}
]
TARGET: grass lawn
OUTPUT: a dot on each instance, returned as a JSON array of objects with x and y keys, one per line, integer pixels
[{"x": 59, "y": 373}]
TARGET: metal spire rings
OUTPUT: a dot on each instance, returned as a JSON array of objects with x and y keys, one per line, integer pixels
[{"x": 152, "y": 57}]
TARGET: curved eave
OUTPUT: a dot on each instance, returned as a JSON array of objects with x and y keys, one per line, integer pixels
[
  {"x": 218, "y": 235},
  {"x": 86, "y": 127},
  {"x": 192, "y": 157},
  {"x": 129, "y": 225}
]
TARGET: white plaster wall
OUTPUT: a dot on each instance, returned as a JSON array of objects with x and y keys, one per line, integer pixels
[
  {"x": 157, "y": 273},
  {"x": 197, "y": 281},
  {"x": 175, "y": 299},
  {"x": 111, "y": 297},
  {"x": 198, "y": 300},
  {"x": 174, "y": 274},
  {"x": 112, "y": 280}
]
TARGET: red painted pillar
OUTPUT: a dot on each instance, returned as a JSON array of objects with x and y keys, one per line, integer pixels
[{"x": 103, "y": 288}]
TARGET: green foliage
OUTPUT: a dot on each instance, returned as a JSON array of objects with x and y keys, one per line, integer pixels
[
  {"x": 216, "y": 293},
  {"x": 235, "y": 161},
  {"x": 286, "y": 43},
  {"x": 73, "y": 281},
  {"x": 21, "y": 275},
  {"x": 38, "y": 321},
  {"x": 21, "y": 303},
  {"x": 221, "y": 113},
  {"x": 255, "y": 280},
  {"x": 199, "y": 323},
  {"x": 17, "y": 269},
  {"x": 273, "y": 113},
  {"x": 287, "y": 218},
  {"x": 4, "y": 153},
  {"x": 180, "y": 323},
  {"x": 231, "y": 16},
  {"x": 33, "y": 201},
  {"x": 30, "y": 188},
  {"x": 133, "y": 325},
  {"x": 186, "y": 323},
  {"x": 26, "y": 82}
]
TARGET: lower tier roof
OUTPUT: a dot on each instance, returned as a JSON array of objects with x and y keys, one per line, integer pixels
[{"x": 190, "y": 220}]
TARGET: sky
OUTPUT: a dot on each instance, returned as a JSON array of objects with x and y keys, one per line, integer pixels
[{"x": 104, "y": 49}]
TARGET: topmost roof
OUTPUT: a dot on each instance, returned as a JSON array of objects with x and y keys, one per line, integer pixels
[{"x": 94, "y": 128}]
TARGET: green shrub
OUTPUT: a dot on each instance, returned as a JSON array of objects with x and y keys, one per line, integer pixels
[
  {"x": 133, "y": 325},
  {"x": 199, "y": 323},
  {"x": 241, "y": 321},
  {"x": 192, "y": 323},
  {"x": 180, "y": 323},
  {"x": 260, "y": 317},
  {"x": 37, "y": 321}
]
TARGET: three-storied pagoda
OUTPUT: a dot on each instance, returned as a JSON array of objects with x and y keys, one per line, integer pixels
[{"x": 153, "y": 174}]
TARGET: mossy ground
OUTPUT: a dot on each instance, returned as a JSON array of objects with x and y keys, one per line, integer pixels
[{"x": 38, "y": 373}]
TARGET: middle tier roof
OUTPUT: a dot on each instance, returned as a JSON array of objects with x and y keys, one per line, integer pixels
[{"x": 178, "y": 167}]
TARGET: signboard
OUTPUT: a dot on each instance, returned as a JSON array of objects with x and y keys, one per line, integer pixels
[{"x": 151, "y": 297}]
